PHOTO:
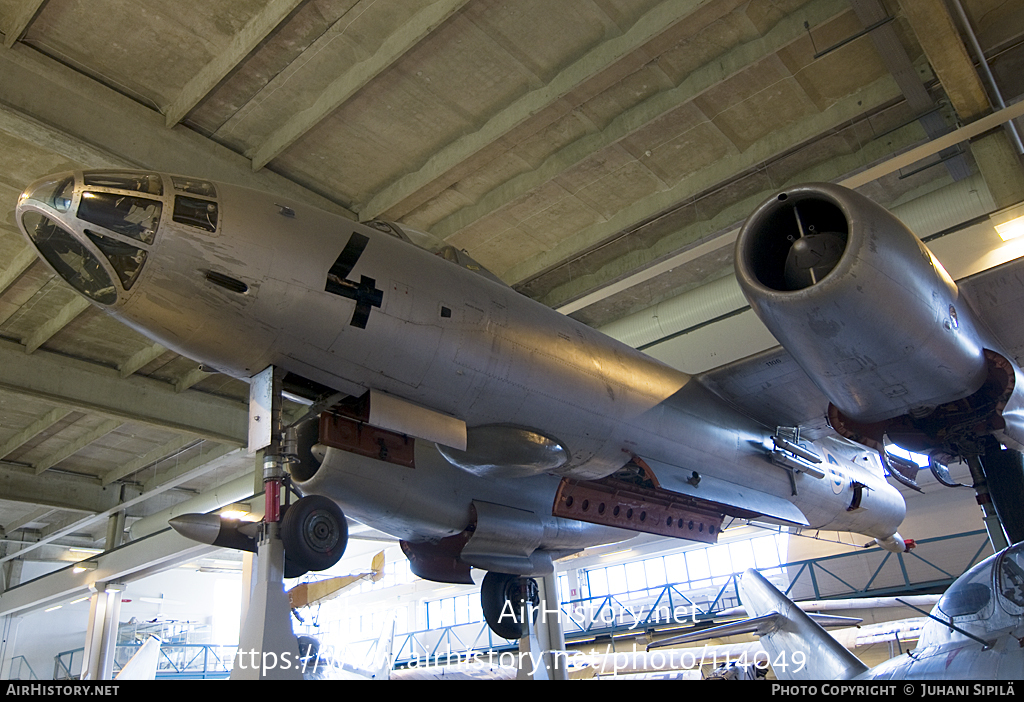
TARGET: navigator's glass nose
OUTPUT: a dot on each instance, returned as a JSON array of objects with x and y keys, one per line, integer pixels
[
  {"x": 54, "y": 191},
  {"x": 69, "y": 257}
]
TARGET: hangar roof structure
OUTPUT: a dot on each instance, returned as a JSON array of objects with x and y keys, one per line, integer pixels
[{"x": 594, "y": 154}]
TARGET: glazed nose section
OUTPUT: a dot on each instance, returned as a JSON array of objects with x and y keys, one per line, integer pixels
[
  {"x": 54, "y": 191},
  {"x": 95, "y": 236},
  {"x": 37, "y": 210}
]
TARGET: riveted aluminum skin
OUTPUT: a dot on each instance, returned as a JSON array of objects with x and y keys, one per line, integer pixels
[{"x": 885, "y": 332}]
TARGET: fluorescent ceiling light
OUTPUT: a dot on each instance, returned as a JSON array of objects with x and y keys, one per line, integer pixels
[
  {"x": 1011, "y": 230},
  {"x": 83, "y": 566}
]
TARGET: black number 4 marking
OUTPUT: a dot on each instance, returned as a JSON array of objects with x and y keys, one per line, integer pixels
[{"x": 365, "y": 292}]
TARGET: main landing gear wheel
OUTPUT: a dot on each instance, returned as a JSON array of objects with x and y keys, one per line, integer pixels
[
  {"x": 1004, "y": 472},
  {"x": 315, "y": 533},
  {"x": 504, "y": 598}
]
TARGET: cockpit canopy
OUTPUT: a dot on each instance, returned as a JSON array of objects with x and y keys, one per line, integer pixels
[
  {"x": 429, "y": 242},
  {"x": 990, "y": 593},
  {"x": 96, "y": 228}
]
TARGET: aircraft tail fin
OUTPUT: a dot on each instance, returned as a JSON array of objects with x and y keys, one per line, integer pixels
[
  {"x": 797, "y": 647},
  {"x": 377, "y": 664},
  {"x": 377, "y": 566},
  {"x": 143, "y": 664}
]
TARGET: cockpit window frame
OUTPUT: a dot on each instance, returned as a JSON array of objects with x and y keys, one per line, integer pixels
[
  {"x": 120, "y": 255},
  {"x": 104, "y": 293},
  {"x": 194, "y": 186},
  {"x": 105, "y": 209},
  {"x": 141, "y": 182},
  {"x": 1009, "y": 585},
  {"x": 187, "y": 210},
  {"x": 962, "y": 601}
]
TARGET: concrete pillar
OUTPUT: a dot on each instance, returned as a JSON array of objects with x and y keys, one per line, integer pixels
[
  {"x": 8, "y": 641},
  {"x": 542, "y": 648},
  {"x": 115, "y": 531},
  {"x": 101, "y": 633}
]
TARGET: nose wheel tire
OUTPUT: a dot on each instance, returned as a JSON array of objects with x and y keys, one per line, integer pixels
[
  {"x": 314, "y": 532},
  {"x": 505, "y": 599}
]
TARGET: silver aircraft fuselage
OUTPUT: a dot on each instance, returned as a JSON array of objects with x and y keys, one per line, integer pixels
[{"x": 241, "y": 280}]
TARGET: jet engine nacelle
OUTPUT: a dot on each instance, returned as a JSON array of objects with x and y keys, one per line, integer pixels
[{"x": 815, "y": 260}]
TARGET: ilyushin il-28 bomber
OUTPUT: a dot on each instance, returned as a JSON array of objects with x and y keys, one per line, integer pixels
[{"x": 485, "y": 430}]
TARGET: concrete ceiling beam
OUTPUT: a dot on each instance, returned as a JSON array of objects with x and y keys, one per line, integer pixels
[
  {"x": 141, "y": 359},
  {"x": 842, "y": 112},
  {"x": 20, "y": 263},
  {"x": 33, "y": 430},
  {"x": 21, "y": 17},
  {"x": 105, "y": 128},
  {"x": 215, "y": 457},
  {"x": 345, "y": 86},
  {"x": 656, "y": 22},
  {"x": 64, "y": 316},
  {"x": 150, "y": 457},
  {"x": 89, "y": 387},
  {"x": 788, "y": 30},
  {"x": 190, "y": 378},
  {"x": 242, "y": 44},
  {"x": 60, "y": 491},
  {"x": 130, "y": 562},
  {"x": 210, "y": 456},
  {"x": 36, "y": 514},
  {"x": 76, "y": 445},
  {"x": 940, "y": 40}
]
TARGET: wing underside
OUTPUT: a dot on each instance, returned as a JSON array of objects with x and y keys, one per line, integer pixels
[{"x": 772, "y": 388}]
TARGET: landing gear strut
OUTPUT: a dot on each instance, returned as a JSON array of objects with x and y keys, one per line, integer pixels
[
  {"x": 505, "y": 600},
  {"x": 1004, "y": 473}
]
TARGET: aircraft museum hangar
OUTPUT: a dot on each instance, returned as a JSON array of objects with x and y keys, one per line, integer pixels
[{"x": 495, "y": 339}]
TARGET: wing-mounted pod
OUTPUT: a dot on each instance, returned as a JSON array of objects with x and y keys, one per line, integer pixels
[{"x": 874, "y": 320}]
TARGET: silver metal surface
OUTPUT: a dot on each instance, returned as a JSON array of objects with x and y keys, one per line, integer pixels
[{"x": 445, "y": 351}]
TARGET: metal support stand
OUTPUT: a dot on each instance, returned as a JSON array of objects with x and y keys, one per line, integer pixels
[
  {"x": 996, "y": 535},
  {"x": 542, "y": 654},
  {"x": 267, "y": 648}
]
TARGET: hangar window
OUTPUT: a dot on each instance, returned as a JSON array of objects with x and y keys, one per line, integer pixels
[
  {"x": 201, "y": 214},
  {"x": 135, "y": 217},
  {"x": 693, "y": 569},
  {"x": 148, "y": 183}
]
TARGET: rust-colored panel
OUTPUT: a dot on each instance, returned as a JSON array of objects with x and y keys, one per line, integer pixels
[
  {"x": 619, "y": 504},
  {"x": 362, "y": 439},
  {"x": 439, "y": 562}
]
